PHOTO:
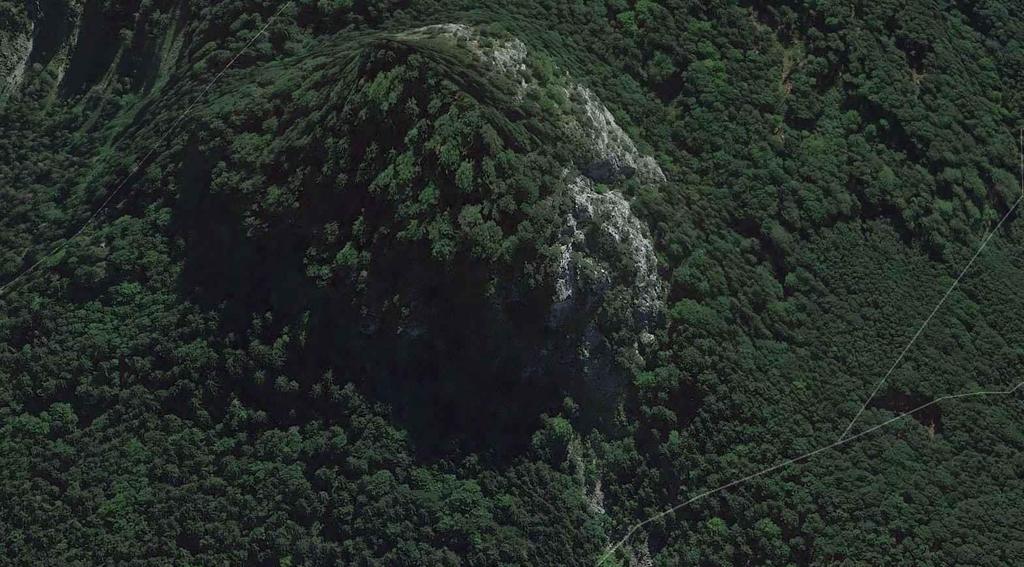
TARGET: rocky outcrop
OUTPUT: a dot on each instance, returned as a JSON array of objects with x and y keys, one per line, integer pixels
[
  {"x": 506, "y": 56},
  {"x": 15, "y": 48},
  {"x": 610, "y": 214},
  {"x": 605, "y": 251},
  {"x": 73, "y": 45},
  {"x": 601, "y": 233},
  {"x": 613, "y": 154},
  {"x": 43, "y": 36},
  {"x": 14, "y": 51}
]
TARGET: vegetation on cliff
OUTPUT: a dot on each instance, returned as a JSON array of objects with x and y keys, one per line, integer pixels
[{"x": 486, "y": 283}]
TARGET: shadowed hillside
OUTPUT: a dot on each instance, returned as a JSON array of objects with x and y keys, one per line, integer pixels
[{"x": 464, "y": 283}]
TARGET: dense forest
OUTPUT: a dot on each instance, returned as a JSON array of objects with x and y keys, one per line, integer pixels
[{"x": 425, "y": 282}]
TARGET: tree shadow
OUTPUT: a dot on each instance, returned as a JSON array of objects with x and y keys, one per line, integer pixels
[{"x": 461, "y": 370}]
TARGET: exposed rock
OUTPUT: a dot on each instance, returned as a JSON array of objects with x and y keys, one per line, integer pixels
[
  {"x": 596, "y": 356},
  {"x": 610, "y": 213},
  {"x": 614, "y": 154},
  {"x": 506, "y": 56},
  {"x": 566, "y": 276},
  {"x": 585, "y": 278},
  {"x": 595, "y": 498},
  {"x": 15, "y": 47},
  {"x": 57, "y": 39},
  {"x": 586, "y": 270},
  {"x": 13, "y": 62},
  {"x": 607, "y": 171},
  {"x": 579, "y": 457},
  {"x": 46, "y": 36},
  {"x": 68, "y": 20}
]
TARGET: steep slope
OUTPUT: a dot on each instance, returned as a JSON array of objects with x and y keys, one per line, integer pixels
[
  {"x": 324, "y": 231},
  {"x": 464, "y": 283}
]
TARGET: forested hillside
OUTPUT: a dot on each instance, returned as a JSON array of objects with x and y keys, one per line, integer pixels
[{"x": 423, "y": 282}]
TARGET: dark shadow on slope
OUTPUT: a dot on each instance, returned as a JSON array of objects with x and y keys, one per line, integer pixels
[
  {"x": 226, "y": 269},
  {"x": 53, "y": 24},
  {"x": 460, "y": 370},
  {"x": 902, "y": 402},
  {"x": 96, "y": 47}
]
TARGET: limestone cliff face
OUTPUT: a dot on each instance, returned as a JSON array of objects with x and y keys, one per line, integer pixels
[
  {"x": 15, "y": 47},
  {"x": 506, "y": 56},
  {"x": 606, "y": 254},
  {"x": 613, "y": 154},
  {"x": 601, "y": 233},
  {"x": 74, "y": 47},
  {"x": 37, "y": 36}
]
